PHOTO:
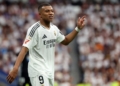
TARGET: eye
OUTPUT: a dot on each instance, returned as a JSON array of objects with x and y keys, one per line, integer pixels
[
  {"x": 46, "y": 10},
  {"x": 52, "y": 11}
]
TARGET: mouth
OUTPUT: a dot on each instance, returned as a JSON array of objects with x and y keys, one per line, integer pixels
[{"x": 51, "y": 17}]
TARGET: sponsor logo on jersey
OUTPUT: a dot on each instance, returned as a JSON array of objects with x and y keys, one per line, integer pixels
[
  {"x": 45, "y": 42},
  {"x": 44, "y": 36},
  {"x": 49, "y": 43}
]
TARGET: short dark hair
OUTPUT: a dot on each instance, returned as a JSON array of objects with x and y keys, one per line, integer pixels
[{"x": 43, "y": 4}]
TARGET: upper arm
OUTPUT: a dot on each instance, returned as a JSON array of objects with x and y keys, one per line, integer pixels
[
  {"x": 64, "y": 42},
  {"x": 31, "y": 38},
  {"x": 60, "y": 36},
  {"x": 24, "y": 49}
]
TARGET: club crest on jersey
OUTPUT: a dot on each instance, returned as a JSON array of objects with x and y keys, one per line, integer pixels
[{"x": 54, "y": 33}]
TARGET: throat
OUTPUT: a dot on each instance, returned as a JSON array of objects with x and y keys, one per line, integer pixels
[{"x": 45, "y": 24}]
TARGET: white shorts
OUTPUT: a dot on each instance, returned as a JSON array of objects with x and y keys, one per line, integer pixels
[{"x": 41, "y": 80}]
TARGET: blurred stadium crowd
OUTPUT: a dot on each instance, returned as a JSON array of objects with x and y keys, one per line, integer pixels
[{"x": 98, "y": 43}]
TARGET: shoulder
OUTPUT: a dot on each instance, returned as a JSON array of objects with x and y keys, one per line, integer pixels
[
  {"x": 33, "y": 29},
  {"x": 34, "y": 26},
  {"x": 54, "y": 27}
]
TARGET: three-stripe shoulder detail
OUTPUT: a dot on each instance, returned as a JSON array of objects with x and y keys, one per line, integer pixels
[{"x": 34, "y": 28}]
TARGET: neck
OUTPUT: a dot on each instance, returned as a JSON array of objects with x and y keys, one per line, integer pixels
[{"x": 45, "y": 23}]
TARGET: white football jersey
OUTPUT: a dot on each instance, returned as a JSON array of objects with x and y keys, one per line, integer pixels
[{"x": 41, "y": 44}]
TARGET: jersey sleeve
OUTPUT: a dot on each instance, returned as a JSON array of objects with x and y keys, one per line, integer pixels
[
  {"x": 60, "y": 36},
  {"x": 30, "y": 39}
]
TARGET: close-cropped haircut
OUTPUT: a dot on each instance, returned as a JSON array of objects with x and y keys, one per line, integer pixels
[{"x": 43, "y": 4}]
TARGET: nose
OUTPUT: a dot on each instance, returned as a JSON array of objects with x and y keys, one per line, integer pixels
[{"x": 51, "y": 13}]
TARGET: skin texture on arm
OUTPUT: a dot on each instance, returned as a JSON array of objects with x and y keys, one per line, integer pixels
[
  {"x": 72, "y": 35},
  {"x": 13, "y": 73},
  {"x": 69, "y": 37}
]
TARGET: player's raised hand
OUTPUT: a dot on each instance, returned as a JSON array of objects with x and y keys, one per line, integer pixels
[
  {"x": 81, "y": 22},
  {"x": 12, "y": 75}
]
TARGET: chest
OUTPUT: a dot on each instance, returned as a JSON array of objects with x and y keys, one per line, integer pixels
[
  {"x": 47, "y": 38},
  {"x": 47, "y": 34}
]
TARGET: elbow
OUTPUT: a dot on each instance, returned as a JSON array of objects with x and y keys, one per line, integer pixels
[{"x": 66, "y": 43}]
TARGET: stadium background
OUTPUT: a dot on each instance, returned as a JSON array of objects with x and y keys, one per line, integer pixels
[{"x": 92, "y": 59}]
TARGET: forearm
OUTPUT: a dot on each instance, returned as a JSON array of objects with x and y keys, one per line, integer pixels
[
  {"x": 70, "y": 37},
  {"x": 20, "y": 57}
]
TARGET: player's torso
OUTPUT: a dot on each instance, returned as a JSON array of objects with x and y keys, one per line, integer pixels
[
  {"x": 46, "y": 38},
  {"x": 42, "y": 54},
  {"x": 44, "y": 50}
]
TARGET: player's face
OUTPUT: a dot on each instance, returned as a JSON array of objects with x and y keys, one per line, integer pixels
[{"x": 47, "y": 13}]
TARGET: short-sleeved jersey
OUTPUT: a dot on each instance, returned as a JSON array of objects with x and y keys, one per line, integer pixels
[{"x": 41, "y": 44}]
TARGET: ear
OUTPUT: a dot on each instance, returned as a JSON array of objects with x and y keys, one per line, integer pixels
[{"x": 40, "y": 15}]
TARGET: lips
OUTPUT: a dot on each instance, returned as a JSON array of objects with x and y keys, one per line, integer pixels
[{"x": 51, "y": 17}]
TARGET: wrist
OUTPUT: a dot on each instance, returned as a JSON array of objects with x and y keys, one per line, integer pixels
[
  {"x": 77, "y": 29},
  {"x": 15, "y": 68}
]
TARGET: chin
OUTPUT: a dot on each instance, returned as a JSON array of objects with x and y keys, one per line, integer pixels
[{"x": 51, "y": 20}]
